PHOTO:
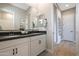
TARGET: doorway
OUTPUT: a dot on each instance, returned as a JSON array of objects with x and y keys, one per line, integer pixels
[
  {"x": 64, "y": 31},
  {"x": 68, "y": 18},
  {"x": 57, "y": 25}
]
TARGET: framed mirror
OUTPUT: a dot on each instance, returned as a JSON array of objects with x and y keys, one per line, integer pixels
[
  {"x": 12, "y": 17},
  {"x": 39, "y": 22},
  {"x": 6, "y": 20}
]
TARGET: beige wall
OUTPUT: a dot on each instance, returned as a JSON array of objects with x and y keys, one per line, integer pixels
[{"x": 49, "y": 14}]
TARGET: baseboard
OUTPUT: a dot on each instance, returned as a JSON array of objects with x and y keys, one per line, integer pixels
[
  {"x": 69, "y": 41},
  {"x": 51, "y": 51}
]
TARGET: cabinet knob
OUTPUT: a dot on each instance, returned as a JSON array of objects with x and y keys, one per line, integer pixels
[
  {"x": 16, "y": 50},
  {"x": 39, "y": 41},
  {"x": 71, "y": 31},
  {"x": 13, "y": 52}
]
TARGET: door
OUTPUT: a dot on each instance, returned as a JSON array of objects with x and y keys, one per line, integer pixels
[
  {"x": 42, "y": 45},
  {"x": 35, "y": 47},
  {"x": 68, "y": 25},
  {"x": 38, "y": 44},
  {"x": 22, "y": 49},
  {"x": 7, "y": 52}
]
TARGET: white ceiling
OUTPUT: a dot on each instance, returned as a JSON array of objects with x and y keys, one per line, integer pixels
[
  {"x": 63, "y": 7},
  {"x": 21, "y": 5}
]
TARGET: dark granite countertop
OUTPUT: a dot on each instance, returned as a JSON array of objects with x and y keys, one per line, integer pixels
[{"x": 12, "y": 37}]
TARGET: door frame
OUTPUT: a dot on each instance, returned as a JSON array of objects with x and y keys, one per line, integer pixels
[{"x": 55, "y": 10}]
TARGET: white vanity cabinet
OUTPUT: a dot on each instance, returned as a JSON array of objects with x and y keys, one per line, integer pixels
[
  {"x": 38, "y": 44},
  {"x": 17, "y": 47},
  {"x": 28, "y": 46}
]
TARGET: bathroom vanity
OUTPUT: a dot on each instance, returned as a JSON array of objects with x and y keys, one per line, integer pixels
[{"x": 23, "y": 45}]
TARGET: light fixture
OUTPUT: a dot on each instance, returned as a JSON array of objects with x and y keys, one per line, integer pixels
[{"x": 66, "y": 5}]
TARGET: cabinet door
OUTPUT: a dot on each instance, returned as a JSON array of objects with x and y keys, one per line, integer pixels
[
  {"x": 6, "y": 52},
  {"x": 22, "y": 49},
  {"x": 34, "y": 47},
  {"x": 42, "y": 44},
  {"x": 38, "y": 44}
]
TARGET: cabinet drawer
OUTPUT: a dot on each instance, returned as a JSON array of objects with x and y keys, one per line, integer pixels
[
  {"x": 10, "y": 43},
  {"x": 35, "y": 38},
  {"x": 38, "y": 37}
]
